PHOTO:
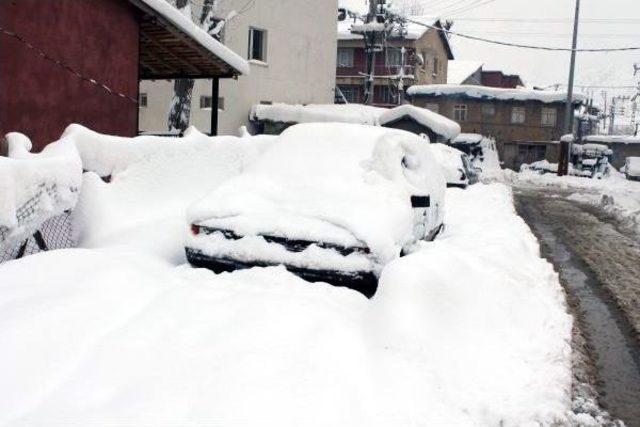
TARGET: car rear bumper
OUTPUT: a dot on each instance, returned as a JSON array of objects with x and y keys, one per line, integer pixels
[{"x": 364, "y": 282}]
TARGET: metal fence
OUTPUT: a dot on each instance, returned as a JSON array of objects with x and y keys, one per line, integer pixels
[{"x": 54, "y": 232}]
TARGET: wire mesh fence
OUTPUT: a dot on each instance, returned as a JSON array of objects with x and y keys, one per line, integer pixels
[{"x": 44, "y": 231}]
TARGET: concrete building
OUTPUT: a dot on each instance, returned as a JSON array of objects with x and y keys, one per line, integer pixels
[
  {"x": 291, "y": 48},
  {"x": 78, "y": 61},
  {"x": 523, "y": 122},
  {"x": 427, "y": 53}
]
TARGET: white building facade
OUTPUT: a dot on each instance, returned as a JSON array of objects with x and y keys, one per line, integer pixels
[{"x": 291, "y": 47}]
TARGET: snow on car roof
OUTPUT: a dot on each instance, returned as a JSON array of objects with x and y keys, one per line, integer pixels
[
  {"x": 484, "y": 92},
  {"x": 172, "y": 14},
  {"x": 469, "y": 138},
  {"x": 314, "y": 113},
  {"x": 348, "y": 175},
  {"x": 459, "y": 70},
  {"x": 437, "y": 123}
]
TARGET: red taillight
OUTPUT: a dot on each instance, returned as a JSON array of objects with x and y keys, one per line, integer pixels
[{"x": 195, "y": 229}]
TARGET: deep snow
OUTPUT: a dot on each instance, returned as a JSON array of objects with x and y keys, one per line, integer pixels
[{"x": 472, "y": 329}]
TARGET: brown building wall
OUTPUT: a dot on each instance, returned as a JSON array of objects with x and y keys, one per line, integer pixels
[
  {"x": 499, "y": 125},
  {"x": 99, "y": 38}
]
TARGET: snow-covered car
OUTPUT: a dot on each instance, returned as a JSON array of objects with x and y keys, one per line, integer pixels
[
  {"x": 456, "y": 166},
  {"x": 331, "y": 202},
  {"x": 632, "y": 168},
  {"x": 481, "y": 150}
]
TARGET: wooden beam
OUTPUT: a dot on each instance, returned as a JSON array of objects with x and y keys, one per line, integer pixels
[{"x": 158, "y": 46}]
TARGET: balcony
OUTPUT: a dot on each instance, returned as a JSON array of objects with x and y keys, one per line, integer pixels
[{"x": 379, "y": 70}]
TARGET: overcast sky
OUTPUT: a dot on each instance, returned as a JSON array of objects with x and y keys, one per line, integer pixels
[{"x": 604, "y": 23}]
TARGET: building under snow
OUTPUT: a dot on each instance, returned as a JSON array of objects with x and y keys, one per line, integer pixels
[
  {"x": 523, "y": 122},
  {"x": 291, "y": 49},
  {"x": 78, "y": 61}
]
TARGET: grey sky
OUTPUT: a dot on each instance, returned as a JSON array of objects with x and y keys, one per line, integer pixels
[{"x": 618, "y": 25}]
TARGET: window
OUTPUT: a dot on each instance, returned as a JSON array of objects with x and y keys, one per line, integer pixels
[
  {"x": 433, "y": 107},
  {"x": 266, "y": 103},
  {"x": 345, "y": 57},
  {"x": 518, "y": 115},
  {"x": 435, "y": 66},
  {"x": 221, "y": 103},
  {"x": 351, "y": 93},
  {"x": 142, "y": 101},
  {"x": 460, "y": 113},
  {"x": 549, "y": 117},
  {"x": 488, "y": 110},
  {"x": 394, "y": 57},
  {"x": 205, "y": 102},
  {"x": 257, "y": 44}
]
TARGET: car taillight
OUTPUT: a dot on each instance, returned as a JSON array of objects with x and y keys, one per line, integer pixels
[{"x": 195, "y": 229}]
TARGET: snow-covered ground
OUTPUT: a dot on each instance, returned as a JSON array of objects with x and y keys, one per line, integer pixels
[
  {"x": 471, "y": 329},
  {"x": 615, "y": 194}
]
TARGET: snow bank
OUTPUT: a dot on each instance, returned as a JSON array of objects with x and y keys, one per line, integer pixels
[
  {"x": 36, "y": 187},
  {"x": 605, "y": 139},
  {"x": 437, "y": 123},
  {"x": 153, "y": 182},
  {"x": 452, "y": 320},
  {"x": 632, "y": 166},
  {"x": 485, "y": 92},
  {"x": 344, "y": 113},
  {"x": 469, "y": 331},
  {"x": 185, "y": 25}
]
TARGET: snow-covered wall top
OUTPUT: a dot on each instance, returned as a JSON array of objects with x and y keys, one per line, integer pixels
[
  {"x": 437, "y": 123},
  {"x": 173, "y": 15},
  {"x": 606, "y": 139},
  {"x": 484, "y": 92},
  {"x": 342, "y": 113}
]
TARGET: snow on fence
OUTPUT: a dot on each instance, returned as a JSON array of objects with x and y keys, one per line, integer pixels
[{"x": 37, "y": 193}]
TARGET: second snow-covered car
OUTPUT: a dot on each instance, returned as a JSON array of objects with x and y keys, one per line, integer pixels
[
  {"x": 331, "y": 202},
  {"x": 456, "y": 167}
]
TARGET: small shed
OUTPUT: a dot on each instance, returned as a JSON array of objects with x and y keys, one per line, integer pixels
[
  {"x": 79, "y": 61},
  {"x": 421, "y": 121}
]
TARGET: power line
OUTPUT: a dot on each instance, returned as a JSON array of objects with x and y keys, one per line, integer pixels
[
  {"x": 524, "y": 46},
  {"x": 623, "y": 21},
  {"x": 64, "y": 66}
]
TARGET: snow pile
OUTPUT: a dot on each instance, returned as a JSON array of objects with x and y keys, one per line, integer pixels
[
  {"x": 481, "y": 150},
  {"x": 437, "y": 123},
  {"x": 36, "y": 187},
  {"x": 492, "y": 93},
  {"x": 471, "y": 330},
  {"x": 632, "y": 166},
  {"x": 349, "y": 176},
  {"x": 314, "y": 113},
  {"x": 544, "y": 167},
  {"x": 458, "y": 71},
  {"x": 184, "y": 24},
  {"x": 153, "y": 181},
  {"x": 450, "y": 161}
]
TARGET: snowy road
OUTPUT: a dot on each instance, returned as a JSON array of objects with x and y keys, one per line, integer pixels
[{"x": 597, "y": 258}]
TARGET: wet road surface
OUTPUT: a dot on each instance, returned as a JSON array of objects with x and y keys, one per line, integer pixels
[{"x": 599, "y": 266}]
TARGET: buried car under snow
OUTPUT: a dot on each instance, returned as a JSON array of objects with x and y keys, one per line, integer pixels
[
  {"x": 456, "y": 166},
  {"x": 331, "y": 202}
]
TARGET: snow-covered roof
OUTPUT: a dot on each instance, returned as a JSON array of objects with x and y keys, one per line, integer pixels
[
  {"x": 437, "y": 123},
  {"x": 458, "y": 71},
  {"x": 313, "y": 113},
  {"x": 164, "y": 10},
  {"x": 605, "y": 139},
  {"x": 484, "y": 92}
]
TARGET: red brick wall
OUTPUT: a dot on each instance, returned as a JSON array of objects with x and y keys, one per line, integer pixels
[{"x": 99, "y": 38}]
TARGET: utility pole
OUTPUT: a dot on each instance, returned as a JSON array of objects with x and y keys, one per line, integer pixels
[
  {"x": 401, "y": 76},
  {"x": 565, "y": 147},
  {"x": 370, "y": 46}
]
